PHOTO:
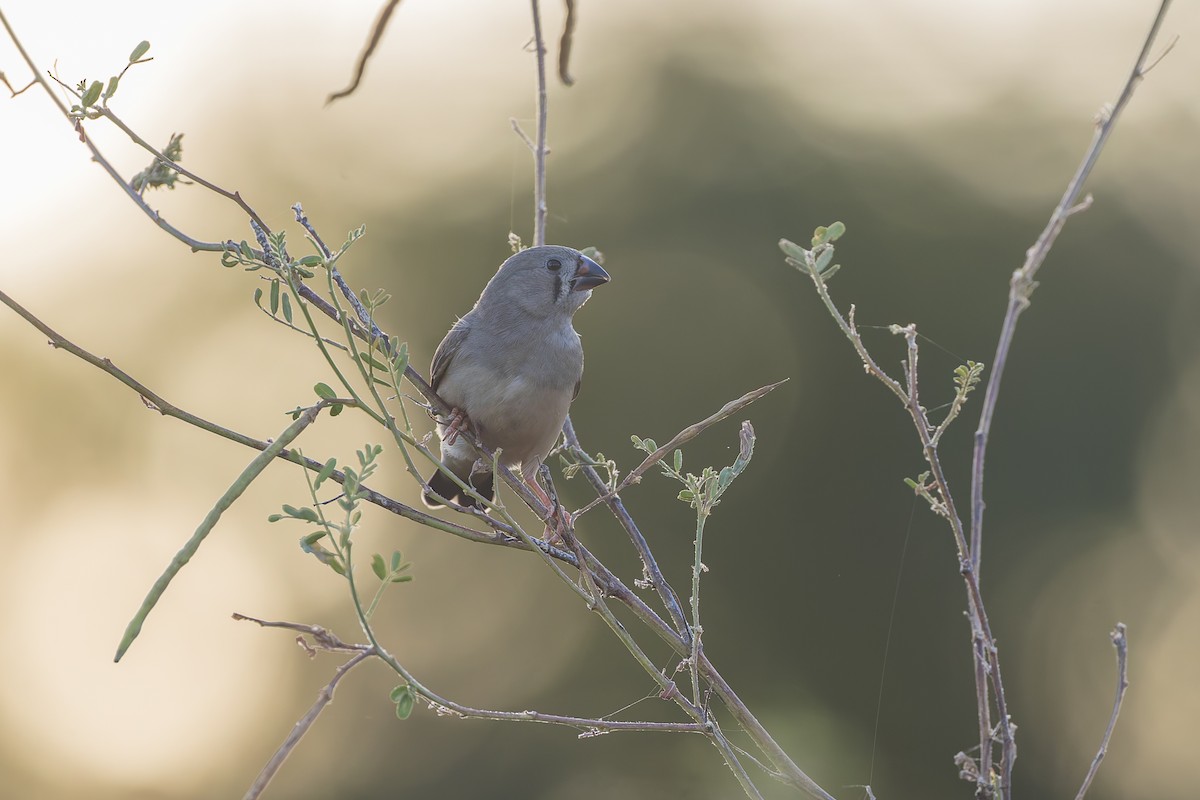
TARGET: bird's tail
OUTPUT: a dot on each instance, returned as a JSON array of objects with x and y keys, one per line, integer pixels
[{"x": 440, "y": 484}]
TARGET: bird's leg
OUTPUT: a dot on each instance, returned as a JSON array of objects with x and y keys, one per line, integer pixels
[
  {"x": 559, "y": 521},
  {"x": 458, "y": 422}
]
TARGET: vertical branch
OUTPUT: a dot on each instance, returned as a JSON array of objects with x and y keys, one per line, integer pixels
[
  {"x": 539, "y": 153},
  {"x": 1023, "y": 284},
  {"x": 1122, "y": 647}
]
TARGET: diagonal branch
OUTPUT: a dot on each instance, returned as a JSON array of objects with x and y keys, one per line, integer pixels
[
  {"x": 685, "y": 435},
  {"x": 381, "y": 22},
  {"x": 1022, "y": 284}
]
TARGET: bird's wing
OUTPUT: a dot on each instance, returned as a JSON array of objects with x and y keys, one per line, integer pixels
[
  {"x": 446, "y": 351},
  {"x": 578, "y": 383}
]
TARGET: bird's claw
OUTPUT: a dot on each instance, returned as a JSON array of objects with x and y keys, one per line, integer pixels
[
  {"x": 557, "y": 524},
  {"x": 457, "y": 424}
]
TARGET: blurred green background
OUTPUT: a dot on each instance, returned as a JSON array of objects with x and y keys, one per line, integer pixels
[{"x": 697, "y": 135}]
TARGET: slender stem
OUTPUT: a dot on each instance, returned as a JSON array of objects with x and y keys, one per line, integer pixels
[
  {"x": 539, "y": 155},
  {"x": 697, "y": 630},
  {"x": 1122, "y": 648},
  {"x": 685, "y": 435},
  {"x": 649, "y": 564},
  {"x": 302, "y": 726},
  {"x": 1022, "y": 284},
  {"x": 236, "y": 197}
]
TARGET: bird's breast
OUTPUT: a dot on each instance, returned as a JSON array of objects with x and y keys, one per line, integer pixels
[{"x": 517, "y": 404}]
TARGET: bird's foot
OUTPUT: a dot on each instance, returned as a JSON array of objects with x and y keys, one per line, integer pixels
[
  {"x": 557, "y": 525},
  {"x": 560, "y": 521},
  {"x": 457, "y": 424}
]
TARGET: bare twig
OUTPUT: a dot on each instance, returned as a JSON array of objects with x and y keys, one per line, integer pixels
[
  {"x": 1023, "y": 284},
  {"x": 539, "y": 154},
  {"x": 377, "y": 30},
  {"x": 14, "y": 92},
  {"x": 235, "y": 196},
  {"x": 302, "y": 726},
  {"x": 1122, "y": 648},
  {"x": 649, "y": 564},
  {"x": 685, "y": 435},
  {"x": 564, "y": 45}
]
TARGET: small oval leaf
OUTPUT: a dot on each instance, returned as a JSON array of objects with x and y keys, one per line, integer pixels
[
  {"x": 139, "y": 51},
  {"x": 92, "y": 94}
]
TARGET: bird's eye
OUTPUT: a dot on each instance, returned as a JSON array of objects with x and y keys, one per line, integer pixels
[{"x": 554, "y": 265}]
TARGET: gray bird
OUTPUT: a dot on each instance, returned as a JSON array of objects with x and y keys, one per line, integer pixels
[{"x": 512, "y": 366}]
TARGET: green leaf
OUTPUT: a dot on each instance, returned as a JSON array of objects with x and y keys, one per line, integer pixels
[
  {"x": 305, "y": 513},
  {"x": 792, "y": 250},
  {"x": 395, "y": 560},
  {"x": 405, "y": 703},
  {"x": 311, "y": 261},
  {"x": 287, "y": 308},
  {"x": 112, "y": 87},
  {"x": 258, "y": 297},
  {"x": 247, "y": 251},
  {"x": 313, "y": 538},
  {"x": 139, "y": 51},
  {"x": 324, "y": 391},
  {"x": 274, "y": 518},
  {"x": 334, "y": 410},
  {"x": 401, "y": 578},
  {"x": 836, "y": 231},
  {"x": 367, "y": 359},
  {"x": 823, "y": 258},
  {"x": 92, "y": 94},
  {"x": 378, "y": 567},
  {"x": 678, "y": 460},
  {"x": 274, "y": 297},
  {"x": 687, "y": 496},
  {"x": 398, "y": 692},
  {"x": 325, "y": 472}
]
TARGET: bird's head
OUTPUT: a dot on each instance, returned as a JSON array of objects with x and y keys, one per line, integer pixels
[{"x": 545, "y": 281}]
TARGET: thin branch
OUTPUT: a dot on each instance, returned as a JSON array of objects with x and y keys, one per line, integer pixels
[
  {"x": 520, "y": 132},
  {"x": 302, "y": 726},
  {"x": 15, "y": 92},
  {"x": 1023, "y": 284},
  {"x": 650, "y": 566},
  {"x": 685, "y": 435},
  {"x": 984, "y": 651},
  {"x": 539, "y": 155},
  {"x": 377, "y": 30},
  {"x": 235, "y": 196},
  {"x": 564, "y": 45},
  {"x": 1122, "y": 648}
]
